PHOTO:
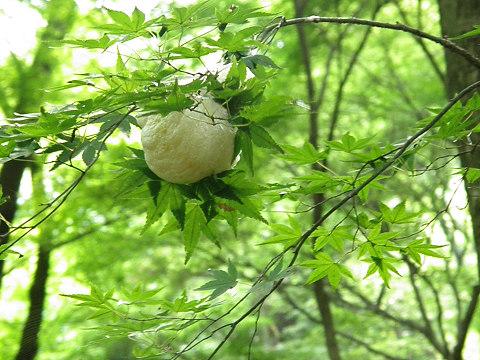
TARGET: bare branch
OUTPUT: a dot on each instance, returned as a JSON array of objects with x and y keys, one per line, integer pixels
[
  {"x": 430, "y": 334},
  {"x": 438, "y": 303},
  {"x": 372, "y": 307},
  {"x": 56, "y": 203},
  {"x": 368, "y": 347},
  {"x": 306, "y": 235},
  {"x": 447, "y": 44},
  {"x": 83, "y": 234},
  {"x": 465, "y": 324},
  {"x": 420, "y": 42},
  {"x": 257, "y": 319},
  {"x": 343, "y": 82}
]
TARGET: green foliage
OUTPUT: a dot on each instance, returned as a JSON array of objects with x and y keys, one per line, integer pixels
[
  {"x": 288, "y": 235},
  {"x": 324, "y": 266},
  {"x": 397, "y": 215},
  {"x": 194, "y": 207},
  {"x": 418, "y": 247},
  {"x": 334, "y": 238},
  {"x": 349, "y": 144},
  {"x": 384, "y": 267},
  {"x": 354, "y": 178},
  {"x": 302, "y": 156},
  {"x": 223, "y": 281},
  {"x": 472, "y": 175},
  {"x": 6, "y": 251},
  {"x": 194, "y": 224},
  {"x": 468, "y": 34},
  {"x": 102, "y": 303}
]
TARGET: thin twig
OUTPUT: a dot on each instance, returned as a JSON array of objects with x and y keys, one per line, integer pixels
[
  {"x": 60, "y": 199},
  {"x": 254, "y": 334},
  {"x": 368, "y": 305},
  {"x": 306, "y": 235},
  {"x": 368, "y": 346},
  {"x": 427, "y": 53},
  {"x": 423, "y": 312},
  {"x": 348, "y": 72},
  {"x": 386, "y": 166},
  {"x": 447, "y": 44}
]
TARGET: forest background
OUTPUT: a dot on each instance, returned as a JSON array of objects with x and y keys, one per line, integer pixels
[{"x": 350, "y": 228}]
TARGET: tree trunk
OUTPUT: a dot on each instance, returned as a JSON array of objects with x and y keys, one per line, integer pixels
[
  {"x": 59, "y": 15},
  {"x": 10, "y": 178},
  {"x": 458, "y": 17},
  {"x": 29, "y": 343},
  {"x": 38, "y": 290},
  {"x": 321, "y": 295},
  {"x": 323, "y": 304},
  {"x": 323, "y": 299}
]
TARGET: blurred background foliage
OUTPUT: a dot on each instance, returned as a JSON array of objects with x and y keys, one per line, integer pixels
[{"x": 368, "y": 82}]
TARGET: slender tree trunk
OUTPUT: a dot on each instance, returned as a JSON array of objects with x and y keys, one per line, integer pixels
[
  {"x": 59, "y": 15},
  {"x": 38, "y": 290},
  {"x": 320, "y": 293},
  {"x": 320, "y": 288},
  {"x": 323, "y": 299},
  {"x": 29, "y": 342},
  {"x": 458, "y": 17},
  {"x": 10, "y": 178}
]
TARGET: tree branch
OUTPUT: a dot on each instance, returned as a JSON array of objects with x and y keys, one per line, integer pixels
[
  {"x": 306, "y": 235},
  {"x": 429, "y": 333},
  {"x": 400, "y": 86},
  {"x": 420, "y": 42},
  {"x": 370, "y": 306},
  {"x": 314, "y": 320},
  {"x": 439, "y": 311},
  {"x": 353, "y": 193},
  {"x": 343, "y": 82},
  {"x": 465, "y": 324},
  {"x": 83, "y": 234},
  {"x": 56, "y": 203},
  {"x": 447, "y": 44},
  {"x": 368, "y": 347}
]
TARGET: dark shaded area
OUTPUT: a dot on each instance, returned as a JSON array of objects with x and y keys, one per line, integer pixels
[
  {"x": 458, "y": 17},
  {"x": 60, "y": 15},
  {"x": 10, "y": 178},
  {"x": 36, "y": 297}
]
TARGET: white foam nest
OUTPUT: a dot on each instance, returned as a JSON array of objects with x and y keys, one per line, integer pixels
[{"x": 187, "y": 146}]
